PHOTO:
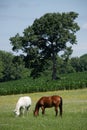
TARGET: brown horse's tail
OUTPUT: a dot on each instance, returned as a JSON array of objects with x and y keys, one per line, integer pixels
[{"x": 61, "y": 106}]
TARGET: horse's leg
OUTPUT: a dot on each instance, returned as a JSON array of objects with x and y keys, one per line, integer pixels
[
  {"x": 27, "y": 110},
  {"x": 60, "y": 107},
  {"x": 23, "y": 111},
  {"x": 56, "y": 110},
  {"x": 20, "y": 111},
  {"x": 43, "y": 110}
]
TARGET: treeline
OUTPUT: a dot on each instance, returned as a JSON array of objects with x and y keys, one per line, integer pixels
[
  {"x": 28, "y": 85},
  {"x": 14, "y": 67},
  {"x": 11, "y": 67}
]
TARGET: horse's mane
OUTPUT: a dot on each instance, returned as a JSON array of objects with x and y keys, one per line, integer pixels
[{"x": 37, "y": 105}]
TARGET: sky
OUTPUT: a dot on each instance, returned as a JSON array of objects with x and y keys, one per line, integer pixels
[{"x": 17, "y": 15}]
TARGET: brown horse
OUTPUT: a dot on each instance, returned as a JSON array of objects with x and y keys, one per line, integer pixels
[{"x": 48, "y": 102}]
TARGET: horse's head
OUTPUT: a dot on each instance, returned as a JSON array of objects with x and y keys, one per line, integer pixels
[
  {"x": 17, "y": 113},
  {"x": 35, "y": 113}
]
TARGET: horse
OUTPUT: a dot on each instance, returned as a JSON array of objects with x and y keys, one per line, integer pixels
[
  {"x": 22, "y": 105},
  {"x": 48, "y": 102}
]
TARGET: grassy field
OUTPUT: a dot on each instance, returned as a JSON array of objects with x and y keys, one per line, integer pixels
[{"x": 74, "y": 112}]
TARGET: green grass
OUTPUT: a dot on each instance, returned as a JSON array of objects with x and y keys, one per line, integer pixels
[{"x": 74, "y": 112}]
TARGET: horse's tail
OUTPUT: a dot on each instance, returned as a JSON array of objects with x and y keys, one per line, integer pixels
[{"x": 61, "y": 106}]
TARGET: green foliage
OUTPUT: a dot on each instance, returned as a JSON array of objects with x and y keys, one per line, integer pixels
[
  {"x": 79, "y": 63},
  {"x": 75, "y": 63},
  {"x": 1, "y": 68},
  {"x": 12, "y": 67},
  {"x": 16, "y": 67},
  {"x": 83, "y": 62},
  {"x": 42, "y": 84},
  {"x": 49, "y": 35},
  {"x": 6, "y": 59}
]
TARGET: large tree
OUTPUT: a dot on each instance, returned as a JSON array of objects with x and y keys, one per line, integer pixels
[{"x": 46, "y": 37}]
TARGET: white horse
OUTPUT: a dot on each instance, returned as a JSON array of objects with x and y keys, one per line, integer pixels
[{"x": 22, "y": 105}]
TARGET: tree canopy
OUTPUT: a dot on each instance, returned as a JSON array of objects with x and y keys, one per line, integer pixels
[{"x": 45, "y": 38}]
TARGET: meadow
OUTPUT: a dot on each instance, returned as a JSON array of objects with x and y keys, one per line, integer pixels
[{"x": 74, "y": 112}]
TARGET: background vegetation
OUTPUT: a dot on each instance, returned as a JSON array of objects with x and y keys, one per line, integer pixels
[
  {"x": 13, "y": 67},
  {"x": 74, "y": 112},
  {"x": 15, "y": 77},
  {"x": 43, "y": 84},
  {"x": 39, "y": 47},
  {"x": 44, "y": 39}
]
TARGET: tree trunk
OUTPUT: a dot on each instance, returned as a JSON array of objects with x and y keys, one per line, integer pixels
[{"x": 54, "y": 68}]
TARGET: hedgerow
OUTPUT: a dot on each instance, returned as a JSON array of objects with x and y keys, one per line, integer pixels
[{"x": 42, "y": 84}]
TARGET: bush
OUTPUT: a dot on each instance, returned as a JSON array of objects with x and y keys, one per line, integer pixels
[{"x": 29, "y": 85}]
